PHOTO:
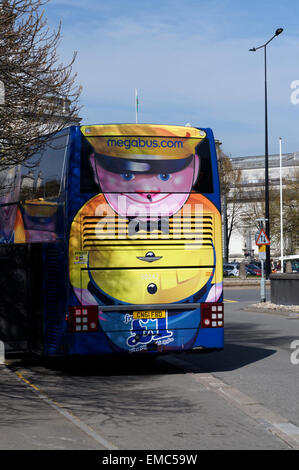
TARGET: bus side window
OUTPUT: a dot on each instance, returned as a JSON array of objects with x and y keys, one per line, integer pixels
[
  {"x": 204, "y": 182},
  {"x": 42, "y": 175}
]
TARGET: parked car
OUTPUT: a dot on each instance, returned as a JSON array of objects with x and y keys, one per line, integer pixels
[
  {"x": 253, "y": 270},
  {"x": 230, "y": 270},
  {"x": 236, "y": 264},
  {"x": 258, "y": 264}
]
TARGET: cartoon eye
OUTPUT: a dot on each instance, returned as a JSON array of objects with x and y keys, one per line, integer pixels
[
  {"x": 164, "y": 176},
  {"x": 128, "y": 176}
]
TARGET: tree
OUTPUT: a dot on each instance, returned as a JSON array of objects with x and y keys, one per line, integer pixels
[
  {"x": 40, "y": 93},
  {"x": 256, "y": 209},
  {"x": 230, "y": 197},
  {"x": 290, "y": 211}
]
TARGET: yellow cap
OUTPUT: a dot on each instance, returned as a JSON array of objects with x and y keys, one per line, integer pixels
[{"x": 143, "y": 141}]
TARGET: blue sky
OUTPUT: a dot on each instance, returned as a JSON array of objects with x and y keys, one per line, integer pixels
[{"x": 190, "y": 62}]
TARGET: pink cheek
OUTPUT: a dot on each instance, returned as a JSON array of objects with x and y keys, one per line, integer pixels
[
  {"x": 182, "y": 183},
  {"x": 178, "y": 181},
  {"x": 111, "y": 183},
  {"x": 186, "y": 179}
]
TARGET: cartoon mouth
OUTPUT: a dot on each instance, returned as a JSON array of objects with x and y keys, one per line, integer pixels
[{"x": 146, "y": 198}]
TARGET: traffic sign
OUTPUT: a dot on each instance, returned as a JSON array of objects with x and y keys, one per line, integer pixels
[
  {"x": 262, "y": 239},
  {"x": 262, "y": 252}
]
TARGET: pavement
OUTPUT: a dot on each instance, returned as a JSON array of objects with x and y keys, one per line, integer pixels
[
  {"x": 290, "y": 311},
  {"x": 262, "y": 307},
  {"x": 31, "y": 420},
  {"x": 233, "y": 282}
]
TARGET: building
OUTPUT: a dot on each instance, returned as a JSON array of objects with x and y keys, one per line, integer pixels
[{"x": 251, "y": 193}]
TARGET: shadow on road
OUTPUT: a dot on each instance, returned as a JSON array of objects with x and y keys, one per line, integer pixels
[
  {"x": 98, "y": 366},
  {"x": 245, "y": 344},
  {"x": 233, "y": 357},
  {"x": 113, "y": 385}
]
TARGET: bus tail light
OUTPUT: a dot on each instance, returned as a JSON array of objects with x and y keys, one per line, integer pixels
[
  {"x": 83, "y": 319},
  {"x": 212, "y": 315}
]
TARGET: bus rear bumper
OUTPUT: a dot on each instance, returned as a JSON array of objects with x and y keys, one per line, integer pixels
[
  {"x": 199, "y": 339},
  {"x": 209, "y": 339}
]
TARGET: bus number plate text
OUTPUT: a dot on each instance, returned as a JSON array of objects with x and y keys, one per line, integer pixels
[{"x": 149, "y": 314}]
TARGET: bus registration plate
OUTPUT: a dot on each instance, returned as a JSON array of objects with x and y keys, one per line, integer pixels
[{"x": 149, "y": 314}]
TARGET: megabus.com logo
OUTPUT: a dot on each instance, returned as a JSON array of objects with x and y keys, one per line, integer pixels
[{"x": 145, "y": 143}]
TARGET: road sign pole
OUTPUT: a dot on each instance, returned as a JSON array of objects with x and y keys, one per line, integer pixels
[
  {"x": 263, "y": 287},
  {"x": 262, "y": 257},
  {"x": 2, "y": 353}
]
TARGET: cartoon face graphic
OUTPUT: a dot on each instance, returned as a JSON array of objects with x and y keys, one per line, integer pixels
[{"x": 160, "y": 191}]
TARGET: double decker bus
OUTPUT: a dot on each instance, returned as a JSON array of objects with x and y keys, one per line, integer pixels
[{"x": 110, "y": 242}]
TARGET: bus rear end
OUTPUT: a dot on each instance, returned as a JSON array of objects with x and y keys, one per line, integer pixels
[{"x": 145, "y": 255}]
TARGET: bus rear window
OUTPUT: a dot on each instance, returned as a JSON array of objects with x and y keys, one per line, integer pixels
[{"x": 158, "y": 165}]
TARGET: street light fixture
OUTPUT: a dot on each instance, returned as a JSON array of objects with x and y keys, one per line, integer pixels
[{"x": 268, "y": 267}]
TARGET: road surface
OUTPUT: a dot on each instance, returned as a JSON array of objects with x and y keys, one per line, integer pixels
[{"x": 245, "y": 397}]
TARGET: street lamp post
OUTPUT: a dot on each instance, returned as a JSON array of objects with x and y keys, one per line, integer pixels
[
  {"x": 281, "y": 207},
  {"x": 267, "y": 221}
]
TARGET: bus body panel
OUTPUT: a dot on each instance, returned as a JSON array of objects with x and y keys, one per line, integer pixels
[
  {"x": 108, "y": 265},
  {"x": 92, "y": 257}
]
